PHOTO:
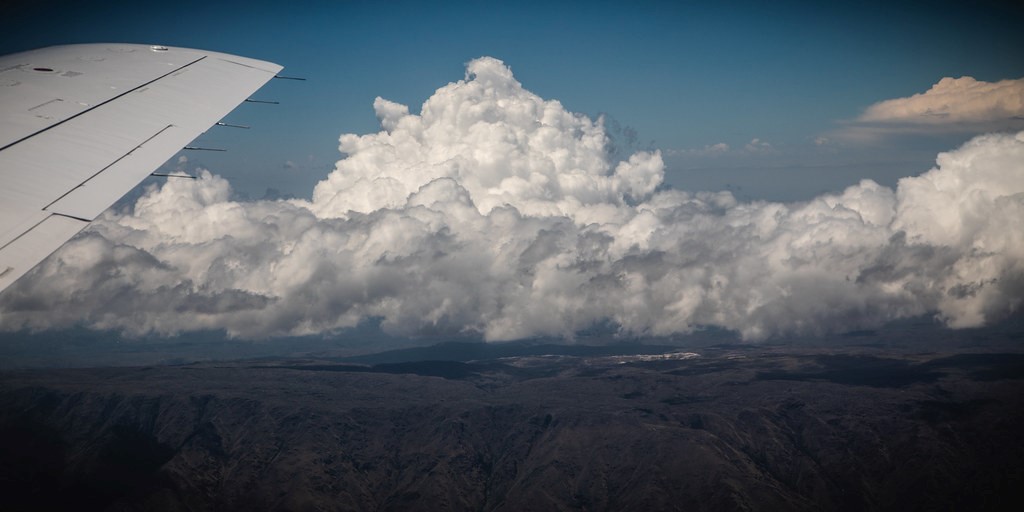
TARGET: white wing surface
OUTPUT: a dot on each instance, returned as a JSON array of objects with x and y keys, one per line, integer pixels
[{"x": 81, "y": 125}]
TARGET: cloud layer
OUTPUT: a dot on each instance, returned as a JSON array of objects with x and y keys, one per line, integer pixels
[
  {"x": 494, "y": 212},
  {"x": 952, "y": 104}
]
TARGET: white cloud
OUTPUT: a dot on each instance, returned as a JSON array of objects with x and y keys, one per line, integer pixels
[
  {"x": 758, "y": 146},
  {"x": 951, "y": 101},
  {"x": 499, "y": 213},
  {"x": 953, "y": 105}
]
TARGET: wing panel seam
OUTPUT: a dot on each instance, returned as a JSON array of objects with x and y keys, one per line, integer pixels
[
  {"x": 108, "y": 166},
  {"x": 11, "y": 241},
  {"x": 37, "y": 224},
  {"x": 129, "y": 91}
]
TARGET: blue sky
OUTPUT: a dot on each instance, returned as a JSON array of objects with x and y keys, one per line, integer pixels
[
  {"x": 777, "y": 101},
  {"x": 682, "y": 75}
]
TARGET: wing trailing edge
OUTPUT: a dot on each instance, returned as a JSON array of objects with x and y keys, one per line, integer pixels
[{"x": 84, "y": 124}]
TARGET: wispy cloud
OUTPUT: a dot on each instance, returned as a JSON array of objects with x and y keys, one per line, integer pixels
[
  {"x": 716, "y": 149},
  {"x": 756, "y": 146}
]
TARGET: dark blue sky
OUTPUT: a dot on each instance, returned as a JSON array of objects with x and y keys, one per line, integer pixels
[{"x": 682, "y": 75}]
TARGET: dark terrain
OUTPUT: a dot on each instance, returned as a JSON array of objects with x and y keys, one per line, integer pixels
[{"x": 856, "y": 427}]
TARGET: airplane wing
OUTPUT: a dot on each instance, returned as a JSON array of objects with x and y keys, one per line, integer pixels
[{"x": 81, "y": 125}]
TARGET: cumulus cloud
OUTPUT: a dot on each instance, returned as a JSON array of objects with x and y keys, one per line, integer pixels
[
  {"x": 951, "y": 105},
  {"x": 954, "y": 100},
  {"x": 496, "y": 213}
]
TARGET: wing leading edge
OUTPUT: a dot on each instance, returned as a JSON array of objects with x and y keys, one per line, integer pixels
[{"x": 84, "y": 124}]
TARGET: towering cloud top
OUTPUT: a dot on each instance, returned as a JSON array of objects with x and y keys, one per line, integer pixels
[
  {"x": 501, "y": 143},
  {"x": 494, "y": 212}
]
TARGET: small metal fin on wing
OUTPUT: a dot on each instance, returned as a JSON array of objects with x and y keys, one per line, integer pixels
[
  {"x": 229, "y": 125},
  {"x": 71, "y": 148},
  {"x": 165, "y": 175}
]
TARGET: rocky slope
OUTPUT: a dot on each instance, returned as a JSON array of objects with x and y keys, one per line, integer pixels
[{"x": 730, "y": 428}]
